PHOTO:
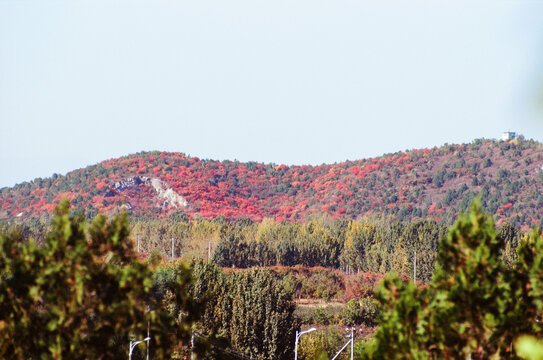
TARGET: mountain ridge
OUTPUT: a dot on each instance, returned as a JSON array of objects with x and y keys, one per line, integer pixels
[{"x": 437, "y": 182}]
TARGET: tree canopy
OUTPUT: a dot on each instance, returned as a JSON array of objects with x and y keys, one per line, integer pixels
[
  {"x": 83, "y": 295},
  {"x": 475, "y": 306}
]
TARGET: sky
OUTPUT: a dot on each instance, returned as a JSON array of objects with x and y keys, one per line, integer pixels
[{"x": 282, "y": 81}]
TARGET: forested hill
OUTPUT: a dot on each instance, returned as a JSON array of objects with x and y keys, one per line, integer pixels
[{"x": 437, "y": 183}]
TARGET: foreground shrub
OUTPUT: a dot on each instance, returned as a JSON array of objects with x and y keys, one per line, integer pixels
[
  {"x": 83, "y": 295},
  {"x": 474, "y": 307}
]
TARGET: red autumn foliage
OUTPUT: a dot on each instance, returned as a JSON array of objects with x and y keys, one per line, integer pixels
[{"x": 398, "y": 184}]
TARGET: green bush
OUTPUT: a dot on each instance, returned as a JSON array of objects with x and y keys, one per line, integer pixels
[
  {"x": 360, "y": 312},
  {"x": 475, "y": 305},
  {"x": 83, "y": 295}
]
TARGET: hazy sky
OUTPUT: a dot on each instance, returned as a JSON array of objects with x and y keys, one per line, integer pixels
[{"x": 294, "y": 81}]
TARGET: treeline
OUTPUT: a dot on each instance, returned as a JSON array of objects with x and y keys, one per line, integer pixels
[
  {"x": 368, "y": 245},
  {"x": 378, "y": 244},
  {"x": 353, "y": 246}
]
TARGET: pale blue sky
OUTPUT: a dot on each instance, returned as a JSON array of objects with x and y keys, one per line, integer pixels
[{"x": 295, "y": 82}]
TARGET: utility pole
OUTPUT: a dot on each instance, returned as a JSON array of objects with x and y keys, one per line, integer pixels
[
  {"x": 133, "y": 345},
  {"x": 173, "y": 246},
  {"x": 138, "y": 242},
  {"x": 298, "y": 334},
  {"x": 149, "y": 336},
  {"x": 192, "y": 346},
  {"x": 351, "y": 340},
  {"x": 415, "y": 268},
  {"x": 352, "y": 343}
]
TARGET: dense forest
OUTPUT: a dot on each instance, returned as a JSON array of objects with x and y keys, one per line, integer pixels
[
  {"x": 376, "y": 244},
  {"x": 436, "y": 183},
  {"x": 85, "y": 293}
]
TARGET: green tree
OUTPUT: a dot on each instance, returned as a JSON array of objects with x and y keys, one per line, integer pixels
[
  {"x": 475, "y": 306},
  {"x": 262, "y": 323},
  {"x": 83, "y": 295},
  {"x": 249, "y": 311}
]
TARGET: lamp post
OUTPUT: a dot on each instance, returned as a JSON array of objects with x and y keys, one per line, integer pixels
[
  {"x": 133, "y": 345},
  {"x": 351, "y": 341},
  {"x": 298, "y": 334}
]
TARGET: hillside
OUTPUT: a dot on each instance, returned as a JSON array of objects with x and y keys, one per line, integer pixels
[{"x": 437, "y": 182}]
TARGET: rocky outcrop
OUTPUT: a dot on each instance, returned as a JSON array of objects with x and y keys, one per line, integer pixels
[
  {"x": 168, "y": 194},
  {"x": 131, "y": 183},
  {"x": 165, "y": 193}
]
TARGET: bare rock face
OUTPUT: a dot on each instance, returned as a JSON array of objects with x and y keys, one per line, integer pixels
[
  {"x": 165, "y": 194},
  {"x": 168, "y": 194}
]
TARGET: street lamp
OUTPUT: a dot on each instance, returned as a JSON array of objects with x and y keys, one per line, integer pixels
[
  {"x": 133, "y": 345},
  {"x": 351, "y": 341},
  {"x": 298, "y": 334}
]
